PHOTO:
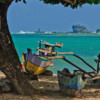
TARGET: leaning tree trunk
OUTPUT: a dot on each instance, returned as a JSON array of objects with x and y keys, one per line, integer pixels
[{"x": 9, "y": 60}]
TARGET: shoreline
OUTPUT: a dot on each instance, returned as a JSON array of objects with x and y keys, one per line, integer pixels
[{"x": 62, "y": 34}]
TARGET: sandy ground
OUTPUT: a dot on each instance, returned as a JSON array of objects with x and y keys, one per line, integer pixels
[{"x": 49, "y": 90}]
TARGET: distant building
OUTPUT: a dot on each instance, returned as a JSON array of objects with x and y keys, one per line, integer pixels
[{"x": 79, "y": 29}]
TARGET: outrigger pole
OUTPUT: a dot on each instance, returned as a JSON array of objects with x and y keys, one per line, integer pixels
[
  {"x": 76, "y": 66},
  {"x": 84, "y": 61},
  {"x": 71, "y": 53},
  {"x": 98, "y": 64},
  {"x": 62, "y": 57}
]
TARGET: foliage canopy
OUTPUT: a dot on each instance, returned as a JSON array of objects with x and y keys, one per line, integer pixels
[
  {"x": 66, "y": 3},
  {"x": 71, "y": 3}
]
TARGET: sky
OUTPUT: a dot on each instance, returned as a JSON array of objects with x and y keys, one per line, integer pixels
[{"x": 51, "y": 18}]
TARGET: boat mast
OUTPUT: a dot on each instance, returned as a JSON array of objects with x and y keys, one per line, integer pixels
[{"x": 40, "y": 44}]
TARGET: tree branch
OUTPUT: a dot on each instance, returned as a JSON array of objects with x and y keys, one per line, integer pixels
[
  {"x": 70, "y": 1},
  {"x": 8, "y": 2}
]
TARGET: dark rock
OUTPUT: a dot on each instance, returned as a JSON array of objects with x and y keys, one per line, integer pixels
[
  {"x": 98, "y": 31},
  {"x": 79, "y": 29}
]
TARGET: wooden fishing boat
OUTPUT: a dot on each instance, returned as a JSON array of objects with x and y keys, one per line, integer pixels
[
  {"x": 34, "y": 63},
  {"x": 71, "y": 84},
  {"x": 37, "y": 63}
]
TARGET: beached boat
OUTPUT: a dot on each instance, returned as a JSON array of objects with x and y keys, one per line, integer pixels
[
  {"x": 34, "y": 63},
  {"x": 37, "y": 63},
  {"x": 71, "y": 84}
]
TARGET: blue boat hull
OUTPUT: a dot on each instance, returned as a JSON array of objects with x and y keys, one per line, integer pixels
[{"x": 71, "y": 86}]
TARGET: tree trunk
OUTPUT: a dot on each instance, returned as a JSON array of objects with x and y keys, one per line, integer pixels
[{"x": 9, "y": 60}]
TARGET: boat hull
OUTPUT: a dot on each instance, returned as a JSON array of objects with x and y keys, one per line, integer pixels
[
  {"x": 71, "y": 86},
  {"x": 32, "y": 68},
  {"x": 35, "y": 64}
]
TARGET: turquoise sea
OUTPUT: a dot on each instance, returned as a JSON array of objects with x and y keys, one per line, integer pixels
[{"x": 87, "y": 47}]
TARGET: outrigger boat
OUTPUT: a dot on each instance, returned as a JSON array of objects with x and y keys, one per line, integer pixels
[
  {"x": 37, "y": 63},
  {"x": 70, "y": 84}
]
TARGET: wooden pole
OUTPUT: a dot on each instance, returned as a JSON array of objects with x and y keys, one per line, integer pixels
[
  {"x": 55, "y": 52},
  {"x": 77, "y": 67},
  {"x": 62, "y": 57},
  {"x": 55, "y": 57},
  {"x": 84, "y": 61},
  {"x": 98, "y": 63}
]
